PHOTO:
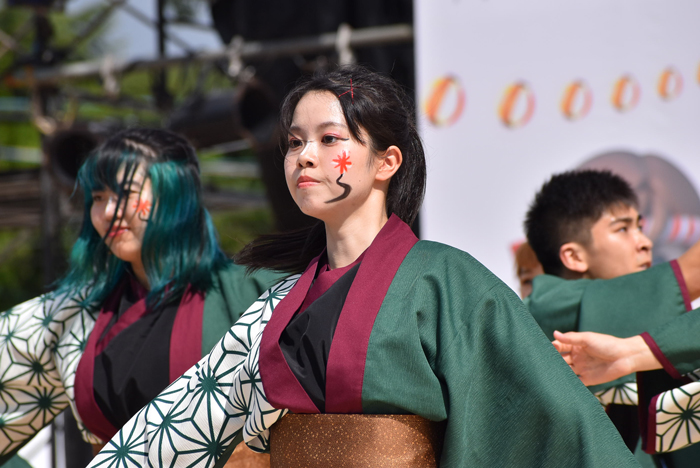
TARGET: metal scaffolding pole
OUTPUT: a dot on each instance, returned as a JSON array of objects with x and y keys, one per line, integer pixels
[{"x": 253, "y": 50}]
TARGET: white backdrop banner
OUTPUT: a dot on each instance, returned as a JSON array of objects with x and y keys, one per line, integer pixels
[{"x": 511, "y": 91}]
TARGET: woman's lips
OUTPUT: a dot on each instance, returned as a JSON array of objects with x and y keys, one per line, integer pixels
[
  {"x": 117, "y": 232},
  {"x": 306, "y": 181}
]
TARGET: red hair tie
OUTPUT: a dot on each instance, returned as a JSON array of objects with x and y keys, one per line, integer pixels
[{"x": 351, "y": 91}]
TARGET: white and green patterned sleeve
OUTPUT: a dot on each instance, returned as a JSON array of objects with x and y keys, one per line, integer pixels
[
  {"x": 41, "y": 342},
  {"x": 624, "y": 394},
  {"x": 193, "y": 421},
  {"x": 675, "y": 418}
]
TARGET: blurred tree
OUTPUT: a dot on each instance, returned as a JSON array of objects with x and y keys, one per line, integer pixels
[
  {"x": 182, "y": 11},
  {"x": 58, "y": 30},
  {"x": 39, "y": 38}
]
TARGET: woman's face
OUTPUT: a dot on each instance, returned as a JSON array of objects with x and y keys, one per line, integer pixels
[
  {"x": 328, "y": 173},
  {"x": 128, "y": 221}
]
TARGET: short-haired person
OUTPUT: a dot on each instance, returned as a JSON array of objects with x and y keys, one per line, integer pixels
[
  {"x": 147, "y": 293},
  {"x": 586, "y": 231},
  {"x": 584, "y": 226},
  {"x": 382, "y": 346}
]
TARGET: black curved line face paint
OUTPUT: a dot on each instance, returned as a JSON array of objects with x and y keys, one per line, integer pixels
[
  {"x": 343, "y": 163},
  {"x": 346, "y": 189}
]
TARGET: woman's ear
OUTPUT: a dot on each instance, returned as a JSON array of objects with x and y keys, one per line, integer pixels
[
  {"x": 389, "y": 163},
  {"x": 573, "y": 257}
]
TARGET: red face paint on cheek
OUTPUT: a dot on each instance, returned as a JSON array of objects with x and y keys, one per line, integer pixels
[
  {"x": 143, "y": 208},
  {"x": 343, "y": 162}
]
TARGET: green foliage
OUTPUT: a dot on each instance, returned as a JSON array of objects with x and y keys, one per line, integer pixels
[
  {"x": 91, "y": 111},
  {"x": 238, "y": 228},
  {"x": 66, "y": 29},
  {"x": 20, "y": 266},
  {"x": 182, "y": 10},
  {"x": 11, "y": 20},
  {"x": 19, "y": 134}
]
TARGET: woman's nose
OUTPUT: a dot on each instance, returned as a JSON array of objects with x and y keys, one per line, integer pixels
[
  {"x": 112, "y": 207},
  {"x": 307, "y": 156}
]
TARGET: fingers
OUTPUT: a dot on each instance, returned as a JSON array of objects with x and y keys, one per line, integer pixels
[
  {"x": 573, "y": 338},
  {"x": 563, "y": 348},
  {"x": 561, "y": 337}
]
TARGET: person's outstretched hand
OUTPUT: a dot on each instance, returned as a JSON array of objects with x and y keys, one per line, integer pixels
[{"x": 598, "y": 358}]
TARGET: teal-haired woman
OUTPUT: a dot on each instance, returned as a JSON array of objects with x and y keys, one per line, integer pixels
[{"x": 147, "y": 294}]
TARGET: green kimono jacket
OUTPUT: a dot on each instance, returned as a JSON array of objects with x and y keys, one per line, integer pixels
[
  {"x": 425, "y": 329},
  {"x": 623, "y": 307},
  {"x": 43, "y": 340}
]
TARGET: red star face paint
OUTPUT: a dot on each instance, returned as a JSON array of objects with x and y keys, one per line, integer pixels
[{"x": 142, "y": 208}]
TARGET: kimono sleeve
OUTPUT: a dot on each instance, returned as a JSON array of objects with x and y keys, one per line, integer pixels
[
  {"x": 32, "y": 390},
  {"x": 513, "y": 401},
  {"x": 676, "y": 344},
  {"x": 631, "y": 304},
  {"x": 672, "y": 421},
  {"x": 555, "y": 303}
]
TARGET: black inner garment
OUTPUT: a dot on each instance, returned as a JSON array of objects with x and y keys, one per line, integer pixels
[
  {"x": 135, "y": 366},
  {"x": 306, "y": 342}
]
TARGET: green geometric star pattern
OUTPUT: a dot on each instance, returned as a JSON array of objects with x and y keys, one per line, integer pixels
[
  {"x": 625, "y": 394},
  {"x": 678, "y": 418},
  {"x": 39, "y": 354},
  {"x": 193, "y": 421}
]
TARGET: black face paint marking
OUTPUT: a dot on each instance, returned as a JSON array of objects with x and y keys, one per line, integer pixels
[{"x": 346, "y": 189}]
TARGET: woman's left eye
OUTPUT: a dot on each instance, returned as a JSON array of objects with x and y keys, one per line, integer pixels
[{"x": 329, "y": 139}]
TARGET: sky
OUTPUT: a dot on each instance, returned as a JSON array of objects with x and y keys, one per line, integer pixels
[{"x": 133, "y": 39}]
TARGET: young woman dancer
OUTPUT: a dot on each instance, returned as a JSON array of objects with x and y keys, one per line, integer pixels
[
  {"x": 147, "y": 293},
  {"x": 388, "y": 350}
]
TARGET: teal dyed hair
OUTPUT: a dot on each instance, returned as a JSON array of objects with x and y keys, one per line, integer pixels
[{"x": 180, "y": 246}]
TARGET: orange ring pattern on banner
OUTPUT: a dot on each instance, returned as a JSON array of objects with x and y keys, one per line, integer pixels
[
  {"x": 670, "y": 84},
  {"x": 514, "y": 93},
  {"x": 568, "y": 101},
  {"x": 618, "y": 96},
  {"x": 436, "y": 100}
]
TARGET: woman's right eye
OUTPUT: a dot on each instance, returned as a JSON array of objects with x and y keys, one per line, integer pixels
[
  {"x": 96, "y": 197},
  {"x": 295, "y": 143}
]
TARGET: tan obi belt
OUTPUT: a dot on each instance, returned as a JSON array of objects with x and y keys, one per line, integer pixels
[
  {"x": 355, "y": 440},
  {"x": 243, "y": 457}
]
